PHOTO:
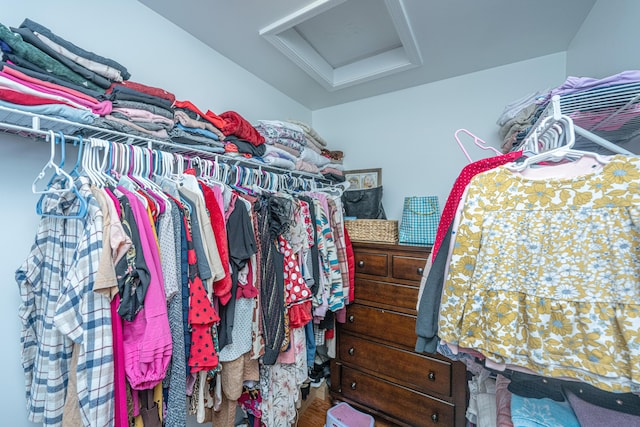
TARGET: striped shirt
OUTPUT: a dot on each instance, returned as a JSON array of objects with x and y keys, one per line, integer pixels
[{"x": 58, "y": 309}]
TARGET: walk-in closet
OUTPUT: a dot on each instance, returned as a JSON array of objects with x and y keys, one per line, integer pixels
[{"x": 320, "y": 213}]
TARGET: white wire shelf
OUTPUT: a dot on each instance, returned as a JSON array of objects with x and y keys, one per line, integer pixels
[
  {"x": 38, "y": 126},
  {"x": 611, "y": 113}
]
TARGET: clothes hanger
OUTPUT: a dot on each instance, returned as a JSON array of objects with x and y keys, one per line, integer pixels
[
  {"x": 111, "y": 166},
  {"x": 209, "y": 172},
  {"x": 147, "y": 171},
  {"x": 128, "y": 162},
  {"x": 99, "y": 165},
  {"x": 179, "y": 163},
  {"x": 242, "y": 179},
  {"x": 86, "y": 162},
  {"x": 58, "y": 171},
  {"x": 546, "y": 136},
  {"x": 115, "y": 161},
  {"x": 336, "y": 189},
  {"x": 257, "y": 177},
  {"x": 563, "y": 151},
  {"x": 75, "y": 172},
  {"x": 274, "y": 182},
  {"x": 66, "y": 179},
  {"x": 63, "y": 144},
  {"x": 477, "y": 141},
  {"x": 106, "y": 166},
  {"x": 138, "y": 174},
  {"x": 63, "y": 155}
]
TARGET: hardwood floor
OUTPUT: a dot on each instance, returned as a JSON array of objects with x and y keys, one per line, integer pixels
[{"x": 314, "y": 414}]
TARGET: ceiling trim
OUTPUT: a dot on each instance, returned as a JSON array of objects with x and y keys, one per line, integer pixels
[{"x": 283, "y": 35}]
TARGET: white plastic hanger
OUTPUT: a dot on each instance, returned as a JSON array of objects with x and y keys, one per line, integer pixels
[
  {"x": 563, "y": 150},
  {"x": 57, "y": 170},
  {"x": 97, "y": 165}
]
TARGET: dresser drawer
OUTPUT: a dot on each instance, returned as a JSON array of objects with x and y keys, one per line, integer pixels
[
  {"x": 372, "y": 263},
  {"x": 411, "y": 407},
  {"x": 397, "y": 295},
  {"x": 413, "y": 370},
  {"x": 391, "y": 326},
  {"x": 407, "y": 268}
]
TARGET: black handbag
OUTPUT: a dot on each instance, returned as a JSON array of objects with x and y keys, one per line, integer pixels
[{"x": 364, "y": 204}]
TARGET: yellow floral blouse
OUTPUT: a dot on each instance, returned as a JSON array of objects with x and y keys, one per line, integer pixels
[{"x": 544, "y": 274}]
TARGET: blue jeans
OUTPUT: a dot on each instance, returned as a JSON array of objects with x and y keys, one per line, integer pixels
[{"x": 311, "y": 344}]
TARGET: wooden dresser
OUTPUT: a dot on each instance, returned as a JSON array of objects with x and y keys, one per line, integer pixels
[{"x": 376, "y": 369}]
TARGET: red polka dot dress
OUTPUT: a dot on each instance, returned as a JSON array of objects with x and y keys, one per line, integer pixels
[
  {"x": 201, "y": 317},
  {"x": 297, "y": 294}
]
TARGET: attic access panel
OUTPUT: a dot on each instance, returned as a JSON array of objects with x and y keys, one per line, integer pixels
[{"x": 341, "y": 43}]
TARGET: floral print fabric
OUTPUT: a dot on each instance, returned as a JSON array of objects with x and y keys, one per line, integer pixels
[
  {"x": 544, "y": 274},
  {"x": 280, "y": 385}
]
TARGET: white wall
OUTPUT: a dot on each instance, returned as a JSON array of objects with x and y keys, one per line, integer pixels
[
  {"x": 607, "y": 42},
  {"x": 410, "y": 133},
  {"x": 157, "y": 53}
]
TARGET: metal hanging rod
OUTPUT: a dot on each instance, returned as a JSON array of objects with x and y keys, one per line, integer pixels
[{"x": 34, "y": 125}]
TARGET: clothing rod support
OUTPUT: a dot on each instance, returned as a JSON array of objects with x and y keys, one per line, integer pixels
[{"x": 601, "y": 141}]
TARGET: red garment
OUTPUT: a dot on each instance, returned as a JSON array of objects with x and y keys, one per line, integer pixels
[
  {"x": 230, "y": 147},
  {"x": 297, "y": 294},
  {"x": 351, "y": 264},
  {"x": 247, "y": 290},
  {"x": 20, "y": 98},
  {"x": 202, "y": 316},
  {"x": 15, "y": 73},
  {"x": 468, "y": 172},
  {"x": 236, "y": 125},
  {"x": 222, "y": 287},
  {"x": 210, "y": 116},
  {"x": 151, "y": 203},
  {"x": 149, "y": 90}
]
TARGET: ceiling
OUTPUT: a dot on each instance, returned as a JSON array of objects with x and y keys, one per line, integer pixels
[{"x": 326, "y": 52}]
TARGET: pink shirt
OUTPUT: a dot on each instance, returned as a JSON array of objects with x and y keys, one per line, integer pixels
[
  {"x": 120, "y": 384},
  {"x": 102, "y": 108},
  {"x": 135, "y": 114},
  {"x": 147, "y": 339},
  {"x": 26, "y": 78}
]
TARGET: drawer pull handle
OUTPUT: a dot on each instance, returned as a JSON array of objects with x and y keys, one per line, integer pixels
[
  {"x": 353, "y": 385},
  {"x": 432, "y": 376},
  {"x": 352, "y": 351},
  {"x": 361, "y": 263},
  {"x": 420, "y": 271},
  {"x": 351, "y": 319},
  {"x": 435, "y": 417}
]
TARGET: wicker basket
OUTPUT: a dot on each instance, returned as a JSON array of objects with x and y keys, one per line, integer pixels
[{"x": 372, "y": 230}]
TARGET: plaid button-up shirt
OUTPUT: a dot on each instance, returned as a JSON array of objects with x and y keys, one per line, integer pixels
[{"x": 59, "y": 309}]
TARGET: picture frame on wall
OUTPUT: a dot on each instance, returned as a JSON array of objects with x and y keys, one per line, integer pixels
[{"x": 361, "y": 179}]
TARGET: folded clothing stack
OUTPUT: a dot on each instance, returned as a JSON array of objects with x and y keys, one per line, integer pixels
[
  {"x": 329, "y": 163},
  {"x": 45, "y": 74},
  {"x": 577, "y": 93},
  {"x": 140, "y": 110},
  {"x": 296, "y": 145}
]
